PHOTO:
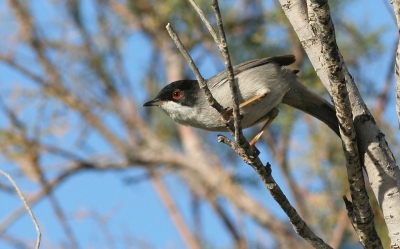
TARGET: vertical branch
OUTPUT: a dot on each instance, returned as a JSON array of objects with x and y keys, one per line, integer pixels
[
  {"x": 396, "y": 7},
  {"x": 239, "y": 240},
  {"x": 61, "y": 217},
  {"x": 379, "y": 162},
  {"x": 223, "y": 47},
  {"x": 360, "y": 212},
  {"x": 384, "y": 95}
]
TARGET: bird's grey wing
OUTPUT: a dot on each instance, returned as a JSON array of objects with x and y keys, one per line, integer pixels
[{"x": 282, "y": 60}]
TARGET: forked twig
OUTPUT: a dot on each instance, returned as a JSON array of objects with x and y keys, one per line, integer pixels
[
  {"x": 241, "y": 145},
  {"x": 196, "y": 72}
]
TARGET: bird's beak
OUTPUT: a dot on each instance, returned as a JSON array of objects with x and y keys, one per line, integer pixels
[{"x": 154, "y": 102}]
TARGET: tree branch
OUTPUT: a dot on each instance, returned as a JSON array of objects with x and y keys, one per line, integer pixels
[
  {"x": 396, "y": 7},
  {"x": 363, "y": 217},
  {"x": 223, "y": 47},
  {"x": 175, "y": 215},
  {"x": 21, "y": 196},
  {"x": 379, "y": 163}
]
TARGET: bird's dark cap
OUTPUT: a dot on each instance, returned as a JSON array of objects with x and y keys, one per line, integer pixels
[{"x": 188, "y": 93}]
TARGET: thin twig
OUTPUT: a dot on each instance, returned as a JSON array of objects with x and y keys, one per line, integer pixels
[
  {"x": 199, "y": 78},
  {"x": 21, "y": 196},
  {"x": 223, "y": 47},
  {"x": 205, "y": 21},
  {"x": 241, "y": 147}
]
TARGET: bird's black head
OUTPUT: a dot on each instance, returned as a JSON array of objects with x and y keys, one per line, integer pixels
[{"x": 183, "y": 92}]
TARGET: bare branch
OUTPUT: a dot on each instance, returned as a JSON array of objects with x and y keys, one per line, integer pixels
[
  {"x": 205, "y": 21},
  {"x": 223, "y": 47},
  {"x": 363, "y": 218},
  {"x": 396, "y": 7},
  {"x": 21, "y": 196},
  {"x": 380, "y": 165}
]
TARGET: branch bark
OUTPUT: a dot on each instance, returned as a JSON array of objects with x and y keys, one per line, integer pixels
[
  {"x": 362, "y": 217},
  {"x": 396, "y": 7},
  {"x": 378, "y": 160}
]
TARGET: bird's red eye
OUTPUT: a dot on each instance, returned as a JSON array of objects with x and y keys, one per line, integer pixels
[{"x": 177, "y": 94}]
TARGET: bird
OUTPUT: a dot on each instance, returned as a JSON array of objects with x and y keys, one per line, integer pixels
[{"x": 263, "y": 84}]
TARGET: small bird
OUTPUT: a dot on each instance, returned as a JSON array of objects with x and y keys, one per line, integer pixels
[{"x": 262, "y": 85}]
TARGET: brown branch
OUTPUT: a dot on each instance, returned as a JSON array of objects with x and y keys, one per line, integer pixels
[
  {"x": 95, "y": 59},
  {"x": 384, "y": 95},
  {"x": 30, "y": 166},
  {"x": 264, "y": 173},
  {"x": 173, "y": 211},
  {"x": 30, "y": 33},
  {"x": 203, "y": 191},
  {"x": 61, "y": 217},
  {"x": 363, "y": 217},
  {"x": 340, "y": 229},
  {"x": 52, "y": 184},
  {"x": 217, "y": 182},
  {"x": 70, "y": 100},
  {"x": 16, "y": 242},
  {"x": 223, "y": 47},
  {"x": 239, "y": 240},
  {"x": 55, "y": 86}
]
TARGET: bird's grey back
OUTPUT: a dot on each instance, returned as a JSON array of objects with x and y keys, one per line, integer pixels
[
  {"x": 254, "y": 78},
  {"x": 258, "y": 75},
  {"x": 282, "y": 60}
]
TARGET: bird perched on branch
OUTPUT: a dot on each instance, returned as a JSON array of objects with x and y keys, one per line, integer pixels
[{"x": 262, "y": 85}]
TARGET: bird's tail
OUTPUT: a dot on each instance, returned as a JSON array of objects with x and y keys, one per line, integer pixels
[{"x": 303, "y": 99}]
